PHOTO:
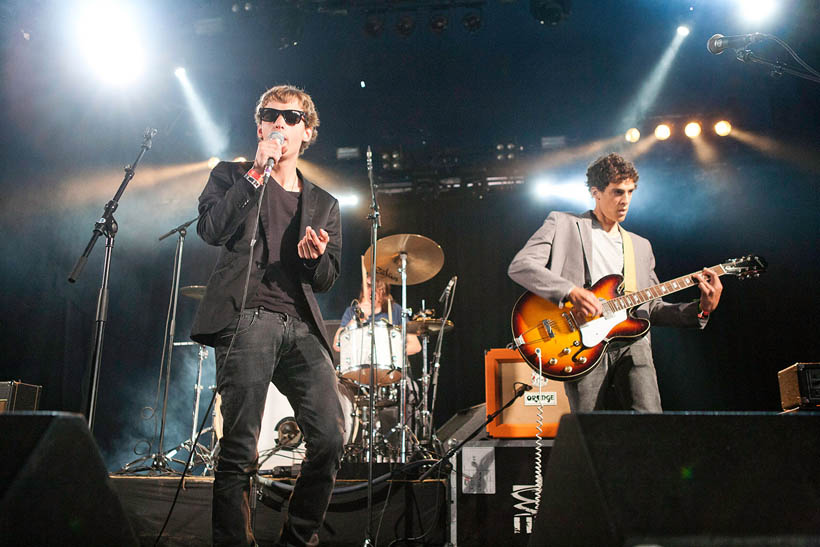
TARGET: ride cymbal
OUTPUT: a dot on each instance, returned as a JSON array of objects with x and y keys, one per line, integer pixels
[{"x": 424, "y": 258}]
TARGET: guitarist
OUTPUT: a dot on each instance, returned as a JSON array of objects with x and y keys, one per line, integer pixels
[{"x": 570, "y": 251}]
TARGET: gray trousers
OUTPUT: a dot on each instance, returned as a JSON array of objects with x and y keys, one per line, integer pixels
[{"x": 625, "y": 379}]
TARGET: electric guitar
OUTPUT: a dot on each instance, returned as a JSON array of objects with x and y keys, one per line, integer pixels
[{"x": 570, "y": 344}]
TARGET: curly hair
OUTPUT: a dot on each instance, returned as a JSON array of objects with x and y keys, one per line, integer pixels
[
  {"x": 610, "y": 168},
  {"x": 285, "y": 94}
]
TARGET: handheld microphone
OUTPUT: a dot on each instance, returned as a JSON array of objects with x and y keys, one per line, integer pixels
[
  {"x": 448, "y": 288},
  {"x": 717, "y": 43},
  {"x": 275, "y": 135}
]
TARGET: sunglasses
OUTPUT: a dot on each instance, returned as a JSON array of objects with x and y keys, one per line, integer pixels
[{"x": 292, "y": 117}]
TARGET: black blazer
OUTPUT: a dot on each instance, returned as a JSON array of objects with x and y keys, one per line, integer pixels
[{"x": 228, "y": 206}]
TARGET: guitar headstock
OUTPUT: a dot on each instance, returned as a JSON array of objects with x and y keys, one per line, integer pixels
[{"x": 746, "y": 266}]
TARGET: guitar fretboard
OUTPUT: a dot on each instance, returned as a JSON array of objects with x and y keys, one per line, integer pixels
[{"x": 656, "y": 291}]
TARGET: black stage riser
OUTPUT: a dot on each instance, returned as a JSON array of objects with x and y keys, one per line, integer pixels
[
  {"x": 682, "y": 479},
  {"x": 54, "y": 488},
  {"x": 412, "y": 508}
]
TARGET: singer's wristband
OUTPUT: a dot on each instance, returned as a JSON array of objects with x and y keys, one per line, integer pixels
[{"x": 254, "y": 178}]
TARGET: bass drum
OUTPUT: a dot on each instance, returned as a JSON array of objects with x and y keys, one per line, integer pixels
[{"x": 279, "y": 426}]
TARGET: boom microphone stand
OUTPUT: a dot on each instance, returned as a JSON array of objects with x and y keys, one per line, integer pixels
[
  {"x": 106, "y": 226},
  {"x": 375, "y": 222}
]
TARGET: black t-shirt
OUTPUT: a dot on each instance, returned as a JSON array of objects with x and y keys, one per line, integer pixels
[{"x": 280, "y": 289}]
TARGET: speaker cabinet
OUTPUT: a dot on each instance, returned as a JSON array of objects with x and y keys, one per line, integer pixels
[
  {"x": 692, "y": 479},
  {"x": 54, "y": 488},
  {"x": 800, "y": 386},
  {"x": 504, "y": 370}
]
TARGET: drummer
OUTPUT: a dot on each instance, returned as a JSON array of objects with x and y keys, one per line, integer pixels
[{"x": 359, "y": 313}]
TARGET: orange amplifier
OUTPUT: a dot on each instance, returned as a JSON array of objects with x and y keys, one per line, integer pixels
[{"x": 503, "y": 369}]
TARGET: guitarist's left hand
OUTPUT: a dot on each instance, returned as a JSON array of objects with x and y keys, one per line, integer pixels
[{"x": 710, "y": 289}]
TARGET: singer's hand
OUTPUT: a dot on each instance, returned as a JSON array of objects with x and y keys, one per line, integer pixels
[
  {"x": 270, "y": 148},
  {"x": 313, "y": 244}
]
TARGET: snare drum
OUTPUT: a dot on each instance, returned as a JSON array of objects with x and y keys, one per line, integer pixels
[
  {"x": 354, "y": 362},
  {"x": 279, "y": 424}
]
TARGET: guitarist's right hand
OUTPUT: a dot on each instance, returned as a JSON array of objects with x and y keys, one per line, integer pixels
[{"x": 585, "y": 301}]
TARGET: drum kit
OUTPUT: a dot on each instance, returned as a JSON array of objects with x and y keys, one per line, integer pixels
[{"x": 403, "y": 405}]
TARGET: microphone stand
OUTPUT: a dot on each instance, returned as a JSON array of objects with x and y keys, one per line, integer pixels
[
  {"x": 448, "y": 307},
  {"x": 375, "y": 222},
  {"x": 778, "y": 68},
  {"x": 452, "y": 452},
  {"x": 106, "y": 226}
]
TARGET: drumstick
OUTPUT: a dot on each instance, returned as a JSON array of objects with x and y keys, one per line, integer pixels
[{"x": 390, "y": 308}]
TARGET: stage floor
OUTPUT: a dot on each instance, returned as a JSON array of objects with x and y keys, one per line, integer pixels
[{"x": 401, "y": 509}]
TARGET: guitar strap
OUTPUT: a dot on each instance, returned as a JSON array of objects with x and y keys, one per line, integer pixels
[{"x": 630, "y": 279}]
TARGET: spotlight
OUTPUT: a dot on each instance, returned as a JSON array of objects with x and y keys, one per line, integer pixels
[
  {"x": 374, "y": 25},
  {"x": 549, "y": 12},
  {"x": 723, "y": 128},
  {"x": 240, "y": 159},
  {"x": 112, "y": 46},
  {"x": 662, "y": 132},
  {"x": 683, "y": 30},
  {"x": 692, "y": 129},
  {"x": 438, "y": 23},
  {"x": 180, "y": 72},
  {"x": 632, "y": 135},
  {"x": 212, "y": 162},
  {"x": 349, "y": 200},
  {"x": 471, "y": 21},
  {"x": 756, "y": 10},
  {"x": 405, "y": 25}
]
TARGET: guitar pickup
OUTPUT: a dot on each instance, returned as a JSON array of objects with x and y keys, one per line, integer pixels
[
  {"x": 570, "y": 321},
  {"x": 548, "y": 327}
]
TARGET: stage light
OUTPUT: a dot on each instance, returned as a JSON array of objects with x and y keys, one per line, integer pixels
[
  {"x": 240, "y": 159},
  {"x": 545, "y": 188},
  {"x": 683, "y": 30},
  {"x": 632, "y": 135},
  {"x": 663, "y": 132},
  {"x": 110, "y": 45},
  {"x": 549, "y": 12},
  {"x": 212, "y": 161},
  {"x": 374, "y": 25},
  {"x": 723, "y": 128},
  {"x": 692, "y": 129},
  {"x": 180, "y": 72},
  {"x": 438, "y": 23},
  {"x": 471, "y": 21},
  {"x": 756, "y": 10},
  {"x": 405, "y": 25}
]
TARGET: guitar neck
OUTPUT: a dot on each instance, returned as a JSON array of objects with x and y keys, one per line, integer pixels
[{"x": 656, "y": 291}]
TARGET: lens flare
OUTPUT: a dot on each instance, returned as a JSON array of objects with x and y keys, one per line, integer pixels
[{"x": 723, "y": 128}]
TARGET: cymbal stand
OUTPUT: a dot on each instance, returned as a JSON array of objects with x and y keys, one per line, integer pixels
[
  {"x": 403, "y": 353},
  {"x": 425, "y": 384},
  {"x": 202, "y": 454}
]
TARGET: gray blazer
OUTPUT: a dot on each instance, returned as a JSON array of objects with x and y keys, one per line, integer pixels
[{"x": 558, "y": 256}]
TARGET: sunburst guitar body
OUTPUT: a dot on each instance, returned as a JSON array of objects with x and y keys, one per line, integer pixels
[{"x": 570, "y": 345}]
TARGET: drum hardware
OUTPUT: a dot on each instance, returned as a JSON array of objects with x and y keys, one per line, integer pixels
[{"x": 405, "y": 259}]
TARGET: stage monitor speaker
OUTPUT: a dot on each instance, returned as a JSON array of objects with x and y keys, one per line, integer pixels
[
  {"x": 503, "y": 370},
  {"x": 800, "y": 386},
  {"x": 692, "y": 479},
  {"x": 54, "y": 488}
]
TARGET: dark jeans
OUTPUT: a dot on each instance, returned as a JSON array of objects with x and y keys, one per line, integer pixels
[{"x": 275, "y": 347}]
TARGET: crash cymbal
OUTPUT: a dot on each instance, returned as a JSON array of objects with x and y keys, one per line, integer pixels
[
  {"x": 428, "y": 325},
  {"x": 193, "y": 291},
  {"x": 424, "y": 258}
]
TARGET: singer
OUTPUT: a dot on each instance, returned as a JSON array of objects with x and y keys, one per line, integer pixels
[
  {"x": 571, "y": 251},
  {"x": 278, "y": 334},
  {"x": 386, "y": 310}
]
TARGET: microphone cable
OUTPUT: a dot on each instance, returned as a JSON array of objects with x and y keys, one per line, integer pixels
[{"x": 224, "y": 360}]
